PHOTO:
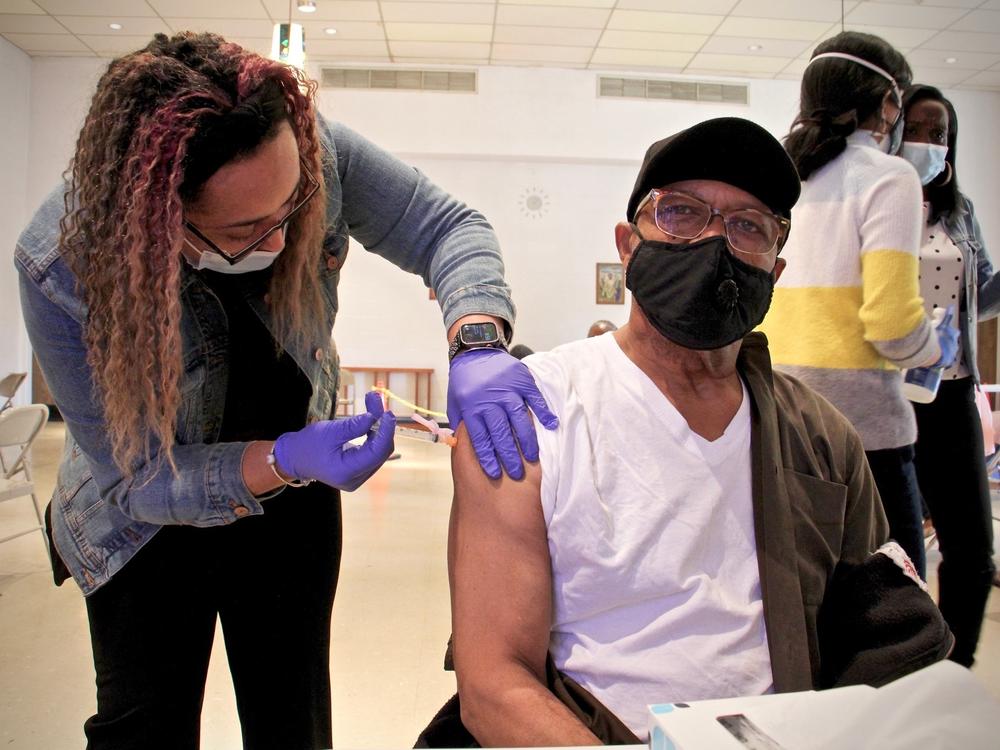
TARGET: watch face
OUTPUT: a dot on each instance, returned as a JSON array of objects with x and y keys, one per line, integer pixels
[{"x": 478, "y": 333}]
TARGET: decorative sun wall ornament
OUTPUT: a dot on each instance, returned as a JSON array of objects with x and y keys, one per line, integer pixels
[{"x": 534, "y": 203}]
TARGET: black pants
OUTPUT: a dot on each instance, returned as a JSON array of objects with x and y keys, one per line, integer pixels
[
  {"x": 896, "y": 480},
  {"x": 271, "y": 580},
  {"x": 951, "y": 469}
]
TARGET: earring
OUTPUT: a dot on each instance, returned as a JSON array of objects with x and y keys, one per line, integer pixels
[{"x": 948, "y": 175}]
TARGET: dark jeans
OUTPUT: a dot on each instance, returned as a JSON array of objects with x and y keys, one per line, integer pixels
[
  {"x": 951, "y": 469},
  {"x": 896, "y": 480},
  {"x": 271, "y": 581}
]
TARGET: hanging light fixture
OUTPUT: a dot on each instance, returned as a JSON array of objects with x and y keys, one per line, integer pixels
[
  {"x": 288, "y": 40},
  {"x": 307, "y": 6}
]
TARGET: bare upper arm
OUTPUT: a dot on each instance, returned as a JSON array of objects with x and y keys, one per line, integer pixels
[{"x": 499, "y": 568}]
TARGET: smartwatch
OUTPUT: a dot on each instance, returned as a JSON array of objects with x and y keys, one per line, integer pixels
[{"x": 476, "y": 336}]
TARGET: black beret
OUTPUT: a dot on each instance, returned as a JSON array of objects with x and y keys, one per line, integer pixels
[{"x": 727, "y": 149}]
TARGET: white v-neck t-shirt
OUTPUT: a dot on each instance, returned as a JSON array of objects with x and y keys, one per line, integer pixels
[{"x": 656, "y": 587}]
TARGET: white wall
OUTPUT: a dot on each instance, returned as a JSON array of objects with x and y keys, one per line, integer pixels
[
  {"x": 526, "y": 130},
  {"x": 15, "y": 93}
]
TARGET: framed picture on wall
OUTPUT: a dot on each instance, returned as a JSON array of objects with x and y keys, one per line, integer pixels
[{"x": 610, "y": 284}]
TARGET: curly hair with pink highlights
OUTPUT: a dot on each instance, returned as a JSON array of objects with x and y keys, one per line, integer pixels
[{"x": 162, "y": 121}]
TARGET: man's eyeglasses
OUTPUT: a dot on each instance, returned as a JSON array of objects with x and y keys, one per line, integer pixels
[
  {"x": 686, "y": 217},
  {"x": 306, "y": 191}
]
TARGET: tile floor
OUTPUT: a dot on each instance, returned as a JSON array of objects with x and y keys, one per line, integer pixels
[{"x": 391, "y": 619}]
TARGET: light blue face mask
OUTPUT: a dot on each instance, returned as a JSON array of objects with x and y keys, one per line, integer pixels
[{"x": 927, "y": 158}]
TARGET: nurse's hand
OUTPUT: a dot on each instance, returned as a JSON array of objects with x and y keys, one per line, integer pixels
[
  {"x": 491, "y": 391},
  {"x": 322, "y": 451}
]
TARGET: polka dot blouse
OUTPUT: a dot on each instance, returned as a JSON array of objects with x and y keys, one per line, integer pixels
[{"x": 942, "y": 283}]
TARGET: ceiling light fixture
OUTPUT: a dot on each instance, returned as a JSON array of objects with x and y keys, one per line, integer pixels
[
  {"x": 951, "y": 60},
  {"x": 115, "y": 26},
  {"x": 330, "y": 30},
  {"x": 307, "y": 6},
  {"x": 288, "y": 41},
  {"x": 755, "y": 47}
]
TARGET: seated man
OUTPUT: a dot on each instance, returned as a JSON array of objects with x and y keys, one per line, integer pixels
[{"x": 698, "y": 526}]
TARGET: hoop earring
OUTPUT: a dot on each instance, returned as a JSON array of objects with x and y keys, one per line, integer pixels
[{"x": 948, "y": 175}]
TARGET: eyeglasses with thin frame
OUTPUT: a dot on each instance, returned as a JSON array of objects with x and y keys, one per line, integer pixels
[
  {"x": 685, "y": 217},
  {"x": 236, "y": 257}
]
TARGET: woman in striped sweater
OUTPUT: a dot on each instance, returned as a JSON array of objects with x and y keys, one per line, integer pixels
[{"x": 847, "y": 314}]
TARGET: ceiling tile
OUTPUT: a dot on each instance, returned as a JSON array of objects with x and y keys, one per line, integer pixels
[
  {"x": 347, "y": 49},
  {"x": 20, "y": 6},
  {"x": 613, "y": 39},
  {"x": 645, "y": 58},
  {"x": 24, "y": 24},
  {"x": 986, "y": 79},
  {"x": 902, "y": 39},
  {"x": 450, "y": 61},
  {"x": 914, "y": 16},
  {"x": 545, "y": 35},
  {"x": 979, "y": 20},
  {"x": 676, "y": 23},
  {"x": 963, "y": 60},
  {"x": 99, "y": 26},
  {"x": 793, "y": 10},
  {"x": 438, "y": 32},
  {"x": 227, "y": 27},
  {"x": 48, "y": 43},
  {"x": 940, "y": 76},
  {"x": 326, "y": 10},
  {"x": 964, "y": 40},
  {"x": 563, "y": 3},
  {"x": 991, "y": 5},
  {"x": 712, "y": 7},
  {"x": 95, "y": 8},
  {"x": 762, "y": 64},
  {"x": 345, "y": 30},
  {"x": 795, "y": 68},
  {"x": 540, "y": 53},
  {"x": 213, "y": 9},
  {"x": 432, "y": 12},
  {"x": 737, "y": 45},
  {"x": 942, "y": 3},
  {"x": 579, "y": 18},
  {"x": 771, "y": 28},
  {"x": 114, "y": 44},
  {"x": 442, "y": 50}
]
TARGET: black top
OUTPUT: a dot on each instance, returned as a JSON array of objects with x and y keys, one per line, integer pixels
[{"x": 266, "y": 394}]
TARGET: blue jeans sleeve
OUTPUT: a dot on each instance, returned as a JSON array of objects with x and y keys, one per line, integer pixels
[
  {"x": 396, "y": 212},
  {"x": 207, "y": 488}
]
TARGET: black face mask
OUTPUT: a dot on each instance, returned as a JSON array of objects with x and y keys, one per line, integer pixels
[{"x": 698, "y": 295}]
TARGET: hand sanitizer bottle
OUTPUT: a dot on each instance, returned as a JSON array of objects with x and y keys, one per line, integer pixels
[{"x": 920, "y": 384}]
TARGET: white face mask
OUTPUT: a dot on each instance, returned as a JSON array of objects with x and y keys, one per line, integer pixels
[
  {"x": 258, "y": 260},
  {"x": 927, "y": 158}
]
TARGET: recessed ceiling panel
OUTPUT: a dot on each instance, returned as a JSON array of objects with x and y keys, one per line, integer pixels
[
  {"x": 916, "y": 16},
  {"x": 226, "y": 27},
  {"x": 95, "y": 7},
  {"x": 652, "y": 40},
  {"x": 738, "y": 45},
  {"x": 438, "y": 32},
  {"x": 437, "y": 12},
  {"x": 793, "y": 10},
  {"x": 645, "y": 58},
  {"x": 979, "y": 20},
  {"x": 671, "y": 23},
  {"x": 704, "y": 7},
  {"x": 964, "y": 40},
  {"x": 772, "y": 28},
  {"x": 345, "y": 30},
  {"x": 540, "y": 53},
  {"x": 48, "y": 43},
  {"x": 326, "y": 10},
  {"x": 526, "y": 15},
  {"x": 28, "y": 24},
  {"x": 99, "y": 26},
  {"x": 441, "y": 50},
  {"x": 763, "y": 64},
  {"x": 545, "y": 35},
  {"x": 208, "y": 8}
]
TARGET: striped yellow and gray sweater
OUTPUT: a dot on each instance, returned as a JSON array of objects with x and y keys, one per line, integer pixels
[{"x": 847, "y": 312}]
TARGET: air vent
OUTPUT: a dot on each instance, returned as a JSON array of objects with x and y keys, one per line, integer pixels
[
  {"x": 399, "y": 80},
  {"x": 661, "y": 88}
]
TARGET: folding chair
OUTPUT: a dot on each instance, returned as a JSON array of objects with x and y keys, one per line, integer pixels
[
  {"x": 9, "y": 386},
  {"x": 19, "y": 426},
  {"x": 345, "y": 402}
]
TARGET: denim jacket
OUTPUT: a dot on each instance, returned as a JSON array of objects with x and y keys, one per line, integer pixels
[
  {"x": 100, "y": 519},
  {"x": 982, "y": 287}
]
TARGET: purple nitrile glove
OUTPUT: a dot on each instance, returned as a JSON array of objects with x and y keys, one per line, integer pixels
[
  {"x": 322, "y": 450},
  {"x": 491, "y": 391}
]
